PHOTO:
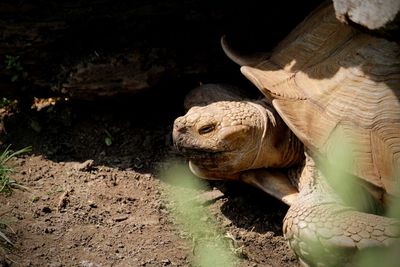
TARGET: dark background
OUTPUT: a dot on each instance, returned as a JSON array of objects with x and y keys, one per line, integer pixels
[{"x": 53, "y": 38}]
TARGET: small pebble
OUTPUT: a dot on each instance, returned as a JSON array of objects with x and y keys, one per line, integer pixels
[{"x": 120, "y": 218}]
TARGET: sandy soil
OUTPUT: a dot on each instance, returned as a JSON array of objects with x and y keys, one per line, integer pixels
[{"x": 93, "y": 204}]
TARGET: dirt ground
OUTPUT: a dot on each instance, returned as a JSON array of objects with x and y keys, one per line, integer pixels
[{"x": 98, "y": 202}]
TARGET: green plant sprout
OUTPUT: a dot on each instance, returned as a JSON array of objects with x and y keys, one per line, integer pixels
[
  {"x": 6, "y": 183},
  {"x": 108, "y": 140}
]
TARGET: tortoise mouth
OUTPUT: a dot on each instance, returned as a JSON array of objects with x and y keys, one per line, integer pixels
[
  {"x": 199, "y": 154},
  {"x": 212, "y": 173},
  {"x": 205, "y": 159}
]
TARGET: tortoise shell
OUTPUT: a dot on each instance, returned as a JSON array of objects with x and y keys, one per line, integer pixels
[{"x": 331, "y": 83}]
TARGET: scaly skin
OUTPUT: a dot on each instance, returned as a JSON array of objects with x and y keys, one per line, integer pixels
[
  {"x": 323, "y": 231},
  {"x": 329, "y": 234},
  {"x": 225, "y": 138}
]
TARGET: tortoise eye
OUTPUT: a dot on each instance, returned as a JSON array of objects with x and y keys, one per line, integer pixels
[{"x": 206, "y": 129}]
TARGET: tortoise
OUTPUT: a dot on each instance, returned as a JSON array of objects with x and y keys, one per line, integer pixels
[{"x": 325, "y": 86}]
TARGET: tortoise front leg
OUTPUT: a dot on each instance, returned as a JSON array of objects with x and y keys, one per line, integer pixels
[
  {"x": 323, "y": 231},
  {"x": 273, "y": 182}
]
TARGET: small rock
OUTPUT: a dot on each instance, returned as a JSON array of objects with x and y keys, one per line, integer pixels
[
  {"x": 166, "y": 262},
  {"x": 120, "y": 218},
  {"x": 92, "y": 204},
  {"x": 19, "y": 216},
  {"x": 84, "y": 166},
  {"x": 49, "y": 230},
  {"x": 63, "y": 201},
  {"x": 209, "y": 197}
]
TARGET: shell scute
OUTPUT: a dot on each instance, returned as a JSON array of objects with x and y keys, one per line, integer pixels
[{"x": 332, "y": 83}]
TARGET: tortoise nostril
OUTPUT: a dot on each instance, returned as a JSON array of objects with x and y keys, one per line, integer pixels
[
  {"x": 182, "y": 130},
  {"x": 180, "y": 127}
]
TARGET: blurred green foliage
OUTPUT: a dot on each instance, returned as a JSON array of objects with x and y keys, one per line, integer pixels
[
  {"x": 210, "y": 246},
  {"x": 337, "y": 170}
]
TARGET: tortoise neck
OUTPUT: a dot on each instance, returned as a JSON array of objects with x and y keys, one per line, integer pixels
[
  {"x": 289, "y": 148},
  {"x": 278, "y": 146}
]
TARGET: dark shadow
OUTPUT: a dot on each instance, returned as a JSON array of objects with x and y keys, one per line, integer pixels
[
  {"x": 52, "y": 38},
  {"x": 251, "y": 209},
  {"x": 138, "y": 129},
  {"x": 139, "y": 125}
]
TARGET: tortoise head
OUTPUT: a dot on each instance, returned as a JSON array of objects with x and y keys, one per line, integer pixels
[{"x": 225, "y": 138}]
